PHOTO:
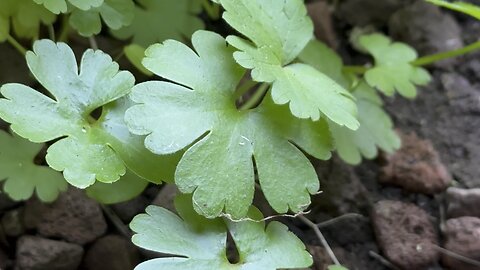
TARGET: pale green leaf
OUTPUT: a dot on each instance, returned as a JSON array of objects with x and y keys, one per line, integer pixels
[
  {"x": 393, "y": 69},
  {"x": 115, "y": 14},
  {"x": 376, "y": 129},
  {"x": 156, "y": 21},
  {"x": 24, "y": 16},
  {"x": 80, "y": 153},
  {"x": 199, "y": 243},
  {"x": 135, "y": 54},
  {"x": 173, "y": 116},
  {"x": 21, "y": 175},
  {"x": 127, "y": 188},
  {"x": 60, "y": 6},
  {"x": 459, "y": 6}
]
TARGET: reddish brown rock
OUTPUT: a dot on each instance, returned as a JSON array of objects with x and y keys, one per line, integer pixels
[
  {"x": 405, "y": 234},
  {"x": 416, "y": 167},
  {"x": 36, "y": 253},
  {"x": 73, "y": 217},
  {"x": 462, "y": 236},
  {"x": 463, "y": 202}
]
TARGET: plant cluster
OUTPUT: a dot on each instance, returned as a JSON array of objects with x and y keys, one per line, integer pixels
[{"x": 185, "y": 126}]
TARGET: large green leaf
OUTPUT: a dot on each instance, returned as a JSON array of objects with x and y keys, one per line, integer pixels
[
  {"x": 201, "y": 109},
  {"x": 393, "y": 69},
  {"x": 24, "y": 16},
  {"x": 87, "y": 149},
  {"x": 115, "y": 14},
  {"x": 459, "y": 6},
  {"x": 278, "y": 31},
  {"x": 60, "y": 6},
  {"x": 376, "y": 127},
  {"x": 201, "y": 244},
  {"x": 158, "y": 20},
  {"x": 21, "y": 175}
]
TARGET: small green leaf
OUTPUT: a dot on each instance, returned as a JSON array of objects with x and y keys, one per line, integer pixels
[
  {"x": 24, "y": 16},
  {"x": 60, "y": 6},
  {"x": 278, "y": 31},
  {"x": 156, "y": 21},
  {"x": 393, "y": 69},
  {"x": 135, "y": 54},
  {"x": 88, "y": 149},
  {"x": 127, "y": 188},
  {"x": 376, "y": 129},
  {"x": 459, "y": 6},
  {"x": 21, "y": 175},
  {"x": 115, "y": 14},
  {"x": 199, "y": 243},
  {"x": 203, "y": 112}
]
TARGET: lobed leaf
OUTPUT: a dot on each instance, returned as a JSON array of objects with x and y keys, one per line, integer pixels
[
  {"x": 21, "y": 175},
  {"x": 60, "y": 6},
  {"x": 200, "y": 110},
  {"x": 115, "y": 13},
  {"x": 278, "y": 31},
  {"x": 85, "y": 148},
  {"x": 393, "y": 69},
  {"x": 376, "y": 127},
  {"x": 24, "y": 17},
  {"x": 200, "y": 243},
  {"x": 170, "y": 19}
]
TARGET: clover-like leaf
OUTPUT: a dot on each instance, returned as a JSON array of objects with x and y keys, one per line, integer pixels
[
  {"x": 135, "y": 54},
  {"x": 85, "y": 149},
  {"x": 376, "y": 127},
  {"x": 279, "y": 30},
  {"x": 21, "y": 175},
  {"x": 115, "y": 14},
  {"x": 60, "y": 6},
  {"x": 393, "y": 69},
  {"x": 464, "y": 7},
  {"x": 201, "y": 244},
  {"x": 24, "y": 16},
  {"x": 219, "y": 168},
  {"x": 170, "y": 19}
]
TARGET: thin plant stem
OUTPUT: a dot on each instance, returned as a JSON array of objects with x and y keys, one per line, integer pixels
[
  {"x": 65, "y": 30},
  {"x": 322, "y": 239},
  {"x": 382, "y": 260},
  {"x": 244, "y": 88},
  {"x": 338, "y": 219},
  {"x": 12, "y": 41},
  {"x": 457, "y": 256},
  {"x": 430, "y": 59},
  {"x": 93, "y": 42},
  {"x": 51, "y": 32},
  {"x": 255, "y": 99}
]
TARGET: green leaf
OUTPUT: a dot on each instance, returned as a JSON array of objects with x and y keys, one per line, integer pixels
[
  {"x": 201, "y": 109},
  {"x": 60, "y": 6},
  {"x": 87, "y": 149},
  {"x": 459, "y": 6},
  {"x": 115, "y": 14},
  {"x": 25, "y": 17},
  {"x": 127, "y": 188},
  {"x": 156, "y": 21},
  {"x": 279, "y": 31},
  {"x": 199, "y": 243},
  {"x": 376, "y": 129},
  {"x": 393, "y": 69},
  {"x": 135, "y": 54},
  {"x": 21, "y": 175}
]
